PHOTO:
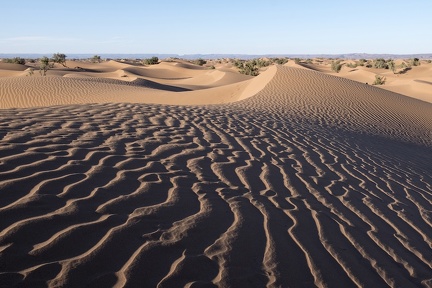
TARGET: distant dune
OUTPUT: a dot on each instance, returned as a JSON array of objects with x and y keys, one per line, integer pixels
[{"x": 175, "y": 175}]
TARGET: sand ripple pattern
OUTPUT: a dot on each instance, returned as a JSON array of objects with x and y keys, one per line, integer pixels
[{"x": 279, "y": 190}]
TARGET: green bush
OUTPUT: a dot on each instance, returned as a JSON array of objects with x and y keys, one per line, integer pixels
[
  {"x": 279, "y": 61},
  {"x": 379, "y": 80},
  {"x": 96, "y": 59},
  {"x": 414, "y": 61},
  {"x": 361, "y": 62},
  {"x": 151, "y": 61},
  {"x": 380, "y": 63},
  {"x": 249, "y": 68},
  {"x": 391, "y": 65},
  {"x": 16, "y": 60},
  {"x": 336, "y": 66},
  {"x": 200, "y": 62},
  {"x": 352, "y": 65}
]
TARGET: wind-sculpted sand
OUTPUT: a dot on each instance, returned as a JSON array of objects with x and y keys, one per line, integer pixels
[{"x": 308, "y": 180}]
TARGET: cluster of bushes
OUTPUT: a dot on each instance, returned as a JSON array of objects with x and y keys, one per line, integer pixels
[
  {"x": 16, "y": 60},
  {"x": 251, "y": 67},
  {"x": 336, "y": 65},
  {"x": 151, "y": 61},
  {"x": 247, "y": 67},
  {"x": 199, "y": 62},
  {"x": 361, "y": 62}
]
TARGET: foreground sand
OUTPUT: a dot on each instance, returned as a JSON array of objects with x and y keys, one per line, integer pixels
[{"x": 307, "y": 180}]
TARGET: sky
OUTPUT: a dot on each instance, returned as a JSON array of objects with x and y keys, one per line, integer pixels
[{"x": 216, "y": 27}]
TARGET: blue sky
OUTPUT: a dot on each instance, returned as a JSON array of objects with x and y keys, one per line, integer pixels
[{"x": 192, "y": 27}]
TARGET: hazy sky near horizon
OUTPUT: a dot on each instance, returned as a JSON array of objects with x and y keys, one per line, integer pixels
[{"x": 205, "y": 27}]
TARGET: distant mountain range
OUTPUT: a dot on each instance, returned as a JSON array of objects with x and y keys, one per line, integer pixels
[{"x": 220, "y": 56}]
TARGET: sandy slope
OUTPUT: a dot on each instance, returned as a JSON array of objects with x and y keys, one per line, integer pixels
[
  {"x": 416, "y": 82},
  {"x": 308, "y": 180}
]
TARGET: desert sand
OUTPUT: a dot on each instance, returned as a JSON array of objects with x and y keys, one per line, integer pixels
[{"x": 176, "y": 175}]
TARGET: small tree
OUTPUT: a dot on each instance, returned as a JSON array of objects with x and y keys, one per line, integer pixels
[
  {"x": 336, "y": 66},
  {"x": 44, "y": 65},
  {"x": 60, "y": 59}
]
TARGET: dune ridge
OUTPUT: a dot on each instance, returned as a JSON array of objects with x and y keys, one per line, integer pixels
[{"x": 308, "y": 180}]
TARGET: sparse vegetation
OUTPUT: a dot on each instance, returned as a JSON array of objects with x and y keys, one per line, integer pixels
[
  {"x": 279, "y": 61},
  {"x": 380, "y": 63},
  {"x": 351, "y": 65},
  {"x": 16, "y": 60},
  {"x": 247, "y": 67},
  {"x": 297, "y": 60},
  {"x": 60, "y": 59},
  {"x": 44, "y": 65},
  {"x": 200, "y": 62},
  {"x": 96, "y": 59},
  {"x": 391, "y": 65},
  {"x": 414, "y": 62},
  {"x": 151, "y": 61},
  {"x": 336, "y": 66},
  {"x": 361, "y": 62},
  {"x": 30, "y": 72},
  {"x": 379, "y": 80}
]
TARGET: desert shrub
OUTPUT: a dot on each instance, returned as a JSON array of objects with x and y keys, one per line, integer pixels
[
  {"x": 309, "y": 61},
  {"x": 96, "y": 59},
  {"x": 336, "y": 66},
  {"x": 380, "y": 63},
  {"x": 200, "y": 62},
  {"x": 391, "y": 65},
  {"x": 44, "y": 65},
  {"x": 297, "y": 60},
  {"x": 249, "y": 68},
  {"x": 16, "y": 60},
  {"x": 429, "y": 61},
  {"x": 151, "y": 61},
  {"x": 352, "y": 65},
  {"x": 414, "y": 61},
  {"x": 59, "y": 58},
  {"x": 238, "y": 63},
  {"x": 262, "y": 63},
  {"x": 361, "y": 62},
  {"x": 379, "y": 80},
  {"x": 30, "y": 72},
  {"x": 212, "y": 67},
  {"x": 279, "y": 61}
]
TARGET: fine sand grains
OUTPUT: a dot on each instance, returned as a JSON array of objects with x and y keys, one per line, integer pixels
[{"x": 313, "y": 181}]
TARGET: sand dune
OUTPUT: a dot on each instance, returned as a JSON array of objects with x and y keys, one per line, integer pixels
[{"x": 294, "y": 178}]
